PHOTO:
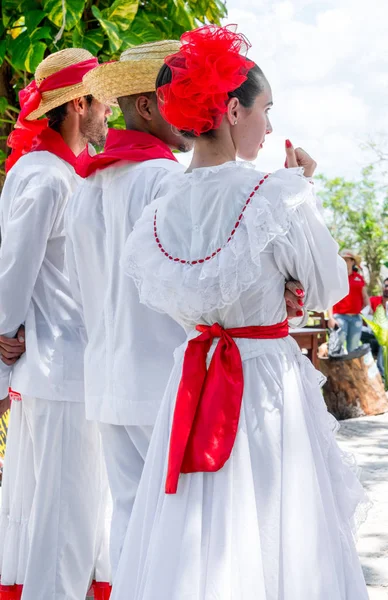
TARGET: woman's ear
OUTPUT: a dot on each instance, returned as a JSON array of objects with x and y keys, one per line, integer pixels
[{"x": 233, "y": 111}]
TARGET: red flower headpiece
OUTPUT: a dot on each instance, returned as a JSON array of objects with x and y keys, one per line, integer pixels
[{"x": 208, "y": 66}]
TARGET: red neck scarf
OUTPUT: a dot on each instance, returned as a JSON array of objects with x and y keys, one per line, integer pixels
[
  {"x": 208, "y": 404},
  {"x": 52, "y": 141},
  {"x": 128, "y": 145},
  {"x": 22, "y": 137}
]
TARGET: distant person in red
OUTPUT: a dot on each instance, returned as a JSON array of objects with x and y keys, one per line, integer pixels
[
  {"x": 375, "y": 301},
  {"x": 346, "y": 313}
]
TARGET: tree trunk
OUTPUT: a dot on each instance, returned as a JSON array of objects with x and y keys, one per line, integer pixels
[
  {"x": 5, "y": 128},
  {"x": 374, "y": 278},
  {"x": 354, "y": 387}
]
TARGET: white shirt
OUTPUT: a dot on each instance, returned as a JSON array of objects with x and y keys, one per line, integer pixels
[
  {"x": 34, "y": 285},
  {"x": 129, "y": 353}
]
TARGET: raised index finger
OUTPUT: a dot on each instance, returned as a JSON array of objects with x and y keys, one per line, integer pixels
[{"x": 291, "y": 160}]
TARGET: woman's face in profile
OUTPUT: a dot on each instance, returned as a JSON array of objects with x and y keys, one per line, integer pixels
[{"x": 253, "y": 125}]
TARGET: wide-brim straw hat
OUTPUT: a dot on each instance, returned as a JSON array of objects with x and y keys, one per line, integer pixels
[
  {"x": 134, "y": 73},
  {"x": 52, "y": 64},
  {"x": 346, "y": 253}
]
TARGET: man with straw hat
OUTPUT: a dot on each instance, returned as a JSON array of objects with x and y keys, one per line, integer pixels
[
  {"x": 122, "y": 334},
  {"x": 52, "y": 506}
]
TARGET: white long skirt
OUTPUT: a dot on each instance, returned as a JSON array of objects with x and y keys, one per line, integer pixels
[{"x": 275, "y": 523}]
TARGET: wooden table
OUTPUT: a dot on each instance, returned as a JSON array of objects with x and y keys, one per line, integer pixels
[{"x": 309, "y": 338}]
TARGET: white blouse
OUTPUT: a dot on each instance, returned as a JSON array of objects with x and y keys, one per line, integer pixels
[{"x": 218, "y": 244}]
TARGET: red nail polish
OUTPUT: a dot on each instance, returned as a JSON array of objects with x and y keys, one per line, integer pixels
[
  {"x": 299, "y": 313},
  {"x": 300, "y": 302},
  {"x": 300, "y": 292},
  {"x": 285, "y": 165},
  {"x": 288, "y": 144}
]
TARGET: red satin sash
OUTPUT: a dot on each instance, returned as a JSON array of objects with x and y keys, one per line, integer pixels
[
  {"x": 125, "y": 144},
  {"x": 208, "y": 403}
]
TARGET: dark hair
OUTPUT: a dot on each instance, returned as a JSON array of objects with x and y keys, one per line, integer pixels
[
  {"x": 57, "y": 115},
  {"x": 386, "y": 279},
  {"x": 246, "y": 93}
]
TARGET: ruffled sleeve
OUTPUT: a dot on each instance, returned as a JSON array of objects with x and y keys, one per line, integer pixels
[
  {"x": 309, "y": 254},
  {"x": 281, "y": 216}
]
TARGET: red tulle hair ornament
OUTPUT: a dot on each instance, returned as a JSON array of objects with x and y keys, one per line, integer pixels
[{"x": 209, "y": 65}]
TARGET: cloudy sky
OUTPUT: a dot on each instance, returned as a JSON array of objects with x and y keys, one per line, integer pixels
[{"x": 327, "y": 63}]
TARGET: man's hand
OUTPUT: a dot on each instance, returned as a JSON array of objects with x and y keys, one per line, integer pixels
[
  {"x": 11, "y": 349},
  {"x": 294, "y": 295},
  {"x": 4, "y": 405}
]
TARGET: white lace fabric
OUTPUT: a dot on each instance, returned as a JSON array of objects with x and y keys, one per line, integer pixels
[{"x": 191, "y": 227}]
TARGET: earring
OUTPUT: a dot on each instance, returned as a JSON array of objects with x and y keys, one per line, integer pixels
[{"x": 235, "y": 123}]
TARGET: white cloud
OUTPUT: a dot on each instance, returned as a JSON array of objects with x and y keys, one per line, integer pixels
[{"x": 327, "y": 61}]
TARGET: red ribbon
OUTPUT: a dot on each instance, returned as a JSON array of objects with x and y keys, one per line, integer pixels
[
  {"x": 22, "y": 137},
  {"x": 129, "y": 145},
  {"x": 208, "y": 404}
]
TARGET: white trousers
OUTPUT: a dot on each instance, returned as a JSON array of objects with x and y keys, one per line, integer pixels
[
  {"x": 125, "y": 449},
  {"x": 59, "y": 489},
  {"x": 17, "y": 492}
]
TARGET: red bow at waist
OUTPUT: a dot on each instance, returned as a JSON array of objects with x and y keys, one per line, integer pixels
[{"x": 208, "y": 404}]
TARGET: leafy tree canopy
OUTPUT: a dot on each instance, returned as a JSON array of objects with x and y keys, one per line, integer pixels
[
  {"x": 32, "y": 29},
  {"x": 357, "y": 214}
]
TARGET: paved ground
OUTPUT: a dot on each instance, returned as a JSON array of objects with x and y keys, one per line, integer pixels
[{"x": 367, "y": 439}]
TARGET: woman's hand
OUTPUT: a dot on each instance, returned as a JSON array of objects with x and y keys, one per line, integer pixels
[
  {"x": 297, "y": 157},
  {"x": 294, "y": 295}
]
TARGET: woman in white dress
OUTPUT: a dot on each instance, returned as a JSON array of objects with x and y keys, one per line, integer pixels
[{"x": 266, "y": 503}]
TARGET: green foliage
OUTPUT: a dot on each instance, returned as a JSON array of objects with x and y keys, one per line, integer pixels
[
  {"x": 379, "y": 326},
  {"x": 107, "y": 26},
  {"x": 31, "y": 29},
  {"x": 357, "y": 214},
  {"x": 55, "y": 13}
]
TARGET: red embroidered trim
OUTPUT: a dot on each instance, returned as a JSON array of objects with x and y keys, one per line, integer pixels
[
  {"x": 14, "y": 397},
  {"x": 202, "y": 260}
]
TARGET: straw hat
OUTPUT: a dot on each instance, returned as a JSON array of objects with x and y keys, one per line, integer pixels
[
  {"x": 346, "y": 253},
  {"x": 134, "y": 73},
  {"x": 52, "y": 64}
]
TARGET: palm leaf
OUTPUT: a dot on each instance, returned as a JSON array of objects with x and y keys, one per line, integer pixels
[{"x": 379, "y": 325}]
